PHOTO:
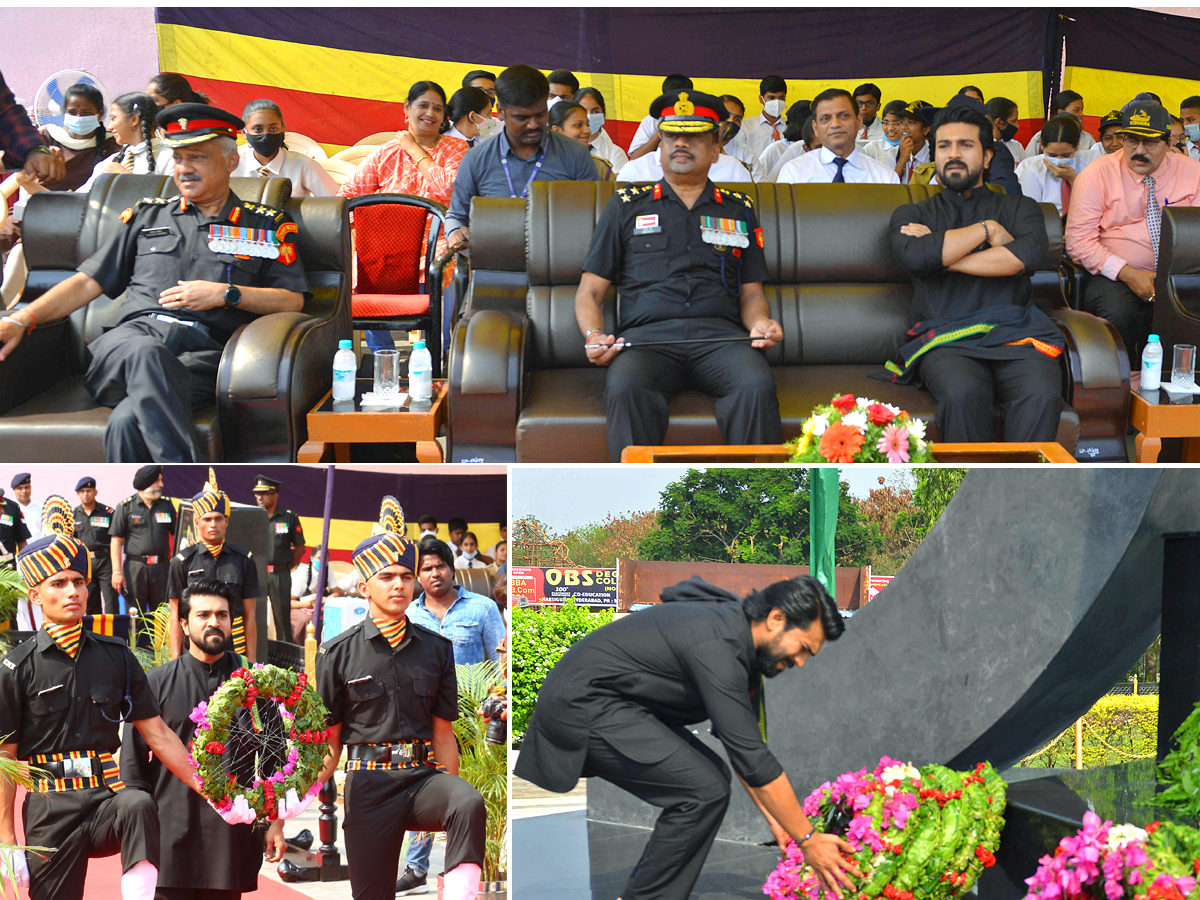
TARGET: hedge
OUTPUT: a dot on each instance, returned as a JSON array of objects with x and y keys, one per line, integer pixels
[{"x": 1128, "y": 725}]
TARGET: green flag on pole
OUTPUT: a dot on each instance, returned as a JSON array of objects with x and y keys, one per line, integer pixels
[{"x": 822, "y": 519}]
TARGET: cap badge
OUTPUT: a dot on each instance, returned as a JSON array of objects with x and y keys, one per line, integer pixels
[
  {"x": 1140, "y": 118},
  {"x": 183, "y": 124},
  {"x": 684, "y": 106}
]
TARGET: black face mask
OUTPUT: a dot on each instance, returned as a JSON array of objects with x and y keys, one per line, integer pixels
[
  {"x": 266, "y": 145},
  {"x": 1008, "y": 131},
  {"x": 730, "y": 130}
]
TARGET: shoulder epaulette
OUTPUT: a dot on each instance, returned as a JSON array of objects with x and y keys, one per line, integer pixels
[
  {"x": 633, "y": 191},
  {"x": 260, "y": 210},
  {"x": 19, "y": 653},
  {"x": 737, "y": 195},
  {"x": 156, "y": 201}
]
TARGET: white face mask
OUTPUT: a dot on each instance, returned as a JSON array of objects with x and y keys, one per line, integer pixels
[
  {"x": 427, "y": 532},
  {"x": 81, "y": 124},
  {"x": 470, "y": 555},
  {"x": 773, "y": 107},
  {"x": 489, "y": 127},
  {"x": 595, "y": 122},
  {"x": 1072, "y": 161}
]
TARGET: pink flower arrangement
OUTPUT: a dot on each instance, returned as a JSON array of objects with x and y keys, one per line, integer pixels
[{"x": 858, "y": 429}]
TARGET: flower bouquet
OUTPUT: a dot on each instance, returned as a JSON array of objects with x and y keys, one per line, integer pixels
[
  {"x": 1103, "y": 861},
  {"x": 917, "y": 834},
  {"x": 857, "y": 429}
]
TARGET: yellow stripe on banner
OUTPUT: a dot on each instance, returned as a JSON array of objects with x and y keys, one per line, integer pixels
[
  {"x": 377, "y": 76},
  {"x": 346, "y": 534},
  {"x": 1105, "y": 89}
]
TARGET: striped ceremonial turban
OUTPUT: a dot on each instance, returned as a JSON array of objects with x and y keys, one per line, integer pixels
[
  {"x": 211, "y": 499},
  {"x": 387, "y": 545},
  {"x": 57, "y": 550}
]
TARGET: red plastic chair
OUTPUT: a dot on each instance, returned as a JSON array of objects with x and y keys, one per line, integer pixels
[{"x": 388, "y": 232}]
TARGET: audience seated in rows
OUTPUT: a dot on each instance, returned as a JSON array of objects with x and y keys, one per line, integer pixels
[
  {"x": 835, "y": 125},
  {"x": 265, "y": 153}
]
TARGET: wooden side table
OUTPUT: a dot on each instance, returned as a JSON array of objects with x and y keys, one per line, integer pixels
[
  {"x": 343, "y": 422},
  {"x": 942, "y": 452},
  {"x": 1155, "y": 417}
]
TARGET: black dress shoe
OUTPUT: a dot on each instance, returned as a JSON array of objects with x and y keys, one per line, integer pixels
[{"x": 411, "y": 883}]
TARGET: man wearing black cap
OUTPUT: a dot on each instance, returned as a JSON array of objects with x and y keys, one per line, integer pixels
[
  {"x": 193, "y": 269},
  {"x": 14, "y": 533},
  {"x": 287, "y": 549},
  {"x": 689, "y": 263},
  {"x": 92, "y": 521},
  {"x": 143, "y": 526},
  {"x": 22, "y": 488},
  {"x": 1115, "y": 220},
  {"x": 1110, "y": 138}
]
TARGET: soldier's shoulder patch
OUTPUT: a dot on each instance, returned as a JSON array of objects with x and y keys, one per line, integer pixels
[
  {"x": 634, "y": 191},
  {"x": 156, "y": 201},
  {"x": 127, "y": 215}
]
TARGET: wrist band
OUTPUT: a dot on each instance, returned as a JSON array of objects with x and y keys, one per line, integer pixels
[
  {"x": 811, "y": 832},
  {"x": 987, "y": 235},
  {"x": 587, "y": 337},
  {"x": 28, "y": 328}
]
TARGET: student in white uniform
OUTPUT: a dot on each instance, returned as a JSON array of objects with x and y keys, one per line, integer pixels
[
  {"x": 891, "y": 124},
  {"x": 1049, "y": 176},
  {"x": 645, "y": 139},
  {"x": 807, "y": 144},
  {"x": 602, "y": 145},
  {"x": 796, "y": 115},
  {"x": 836, "y": 126},
  {"x": 913, "y": 149},
  {"x": 467, "y": 111},
  {"x": 869, "y": 97},
  {"x": 1005, "y": 118},
  {"x": 729, "y": 132},
  {"x": 1189, "y": 114},
  {"x": 758, "y": 132},
  {"x": 1063, "y": 101},
  {"x": 264, "y": 153}
]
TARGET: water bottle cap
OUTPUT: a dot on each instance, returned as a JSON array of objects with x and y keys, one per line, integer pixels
[
  {"x": 1153, "y": 339},
  {"x": 419, "y": 345},
  {"x": 345, "y": 344}
]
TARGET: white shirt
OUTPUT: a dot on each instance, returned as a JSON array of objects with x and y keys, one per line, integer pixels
[
  {"x": 1040, "y": 184},
  {"x": 1087, "y": 157},
  {"x": 304, "y": 581},
  {"x": 1086, "y": 141},
  {"x": 796, "y": 150},
  {"x": 645, "y": 131},
  {"x": 1015, "y": 148},
  {"x": 770, "y": 156},
  {"x": 461, "y": 562},
  {"x": 818, "y": 168},
  {"x": 33, "y": 518},
  {"x": 881, "y": 151},
  {"x": 454, "y": 132},
  {"x": 873, "y": 132},
  {"x": 756, "y": 135},
  {"x": 140, "y": 164},
  {"x": 603, "y": 147},
  {"x": 648, "y": 168},
  {"x": 743, "y": 155},
  {"x": 308, "y": 178},
  {"x": 918, "y": 158}
]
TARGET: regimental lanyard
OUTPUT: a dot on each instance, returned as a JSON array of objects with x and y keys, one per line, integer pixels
[
  {"x": 725, "y": 232},
  {"x": 537, "y": 167},
  {"x": 235, "y": 239}
]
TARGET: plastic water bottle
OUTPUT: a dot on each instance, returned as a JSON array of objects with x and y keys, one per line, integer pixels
[
  {"x": 420, "y": 373},
  {"x": 344, "y": 370},
  {"x": 1152, "y": 358}
]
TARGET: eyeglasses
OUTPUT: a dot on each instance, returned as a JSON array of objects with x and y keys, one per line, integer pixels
[{"x": 1131, "y": 141}]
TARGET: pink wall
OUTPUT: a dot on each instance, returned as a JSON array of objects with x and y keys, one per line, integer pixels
[{"x": 116, "y": 44}]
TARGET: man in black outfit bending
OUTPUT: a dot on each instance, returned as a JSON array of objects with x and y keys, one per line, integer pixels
[{"x": 616, "y": 706}]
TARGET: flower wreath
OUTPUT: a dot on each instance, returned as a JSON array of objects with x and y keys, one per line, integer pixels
[{"x": 303, "y": 714}]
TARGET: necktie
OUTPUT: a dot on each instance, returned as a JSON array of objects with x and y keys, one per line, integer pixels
[
  {"x": 863, "y": 136},
  {"x": 1153, "y": 217},
  {"x": 775, "y": 135},
  {"x": 264, "y": 172},
  {"x": 471, "y": 142},
  {"x": 66, "y": 636},
  {"x": 1065, "y": 196},
  {"x": 912, "y": 162},
  {"x": 840, "y": 177},
  {"x": 127, "y": 158},
  {"x": 392, "y": 629}
]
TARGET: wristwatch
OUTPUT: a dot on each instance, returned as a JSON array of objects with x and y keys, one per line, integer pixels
[{"x": 233, "y": 296}]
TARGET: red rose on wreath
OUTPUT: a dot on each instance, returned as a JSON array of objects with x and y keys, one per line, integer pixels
[
  {"x": 844, "y": 403},
  {"x": 214, "y": 747},
  {"x": 879, "y": 414}
]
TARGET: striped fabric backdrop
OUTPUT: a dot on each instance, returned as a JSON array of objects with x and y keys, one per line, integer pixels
[{"x": 341, "y": 74}]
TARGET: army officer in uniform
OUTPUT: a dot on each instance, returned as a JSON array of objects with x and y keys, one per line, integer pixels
[
  {"x": 287, "y": 548},
  {"x": 14, "y": 533},
  {"x": 190, "y": 279},
  {"x": 211, "y": 557},
  {"x": 392, "y": 695},
  {"x": 92, "y": 521},
  {"x": 143, "y": 526},
  {"x": 688, "y": 260}
]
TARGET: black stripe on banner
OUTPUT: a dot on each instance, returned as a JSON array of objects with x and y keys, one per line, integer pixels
[{"x": 1132, "y": 40}]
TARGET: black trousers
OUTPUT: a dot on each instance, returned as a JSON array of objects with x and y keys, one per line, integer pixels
[
  {"x": 83, "y": 824},
  {"x": 1132, "y": 316},
  {"x": 100, "y": 587},
  {"x": 691, "y": 786},
  {"x": 279, "y": 590},
  {"x": 642, "y": 380},
  {"x": 170, "y": 893},
  {"x": 967, "y": 390},
  {"x": 154, "y": 375},
  {"x": 382, "y": 806},
  {"x": 146, "y": 585}
]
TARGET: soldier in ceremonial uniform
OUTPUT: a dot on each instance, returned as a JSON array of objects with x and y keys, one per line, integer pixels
[
  {"x": 688, "y": 260},
  {"x": 14, "y": 533},
  {"x": 142, "y": 526},
  {"x": 211, "y": 557},
  {"x": 92, "y": 521},
  {"x": 232, "y": 854},
  {"x": 392, "y": 695},
  {"x": 287, "y": 548},
  {"x": 64, "y": 694},
  {"x": 191, "y": 277}
]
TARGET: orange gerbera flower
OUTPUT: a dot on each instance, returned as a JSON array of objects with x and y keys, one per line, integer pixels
[{"x": 840, "y": 442}]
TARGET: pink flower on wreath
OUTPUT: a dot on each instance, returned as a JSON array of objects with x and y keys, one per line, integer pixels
[
  {"x": 200, "y": 713},
  {"x": 894, "y": 442}
]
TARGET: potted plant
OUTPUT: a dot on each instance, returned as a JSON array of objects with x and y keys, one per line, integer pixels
[{"x": 12, "y": 589}]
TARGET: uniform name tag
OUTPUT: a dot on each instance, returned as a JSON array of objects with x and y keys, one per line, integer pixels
[
  {"x": 281, "y": 528},
  {"x": 163, "y": 517},
  {"x": 155, "y": 232},
  {"x": 647, "y": 225},
  {"x": 100, "y": 521}
]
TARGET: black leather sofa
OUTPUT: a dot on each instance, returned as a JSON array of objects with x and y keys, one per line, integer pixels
[
  {"x": 272, "y": 371},
  {"x": 521, "y": 387}
]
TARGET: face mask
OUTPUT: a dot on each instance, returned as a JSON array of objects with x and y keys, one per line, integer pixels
[
  {"x": 428, "y": 533},
  {"x": 890, "y": 142},
  {"x": 595, "y": 122},
  {"x": 731, "y": 130},
  {"x": 489, "y": 127},
  {"x": 1008, "y": 131},
  {"x": 1064, "y": 161},
  {"x": 470, "y": 555},
  {"x": 1192, "y": 131},
  {"x": 266, "y": 145},
  {"x": 773, "y": 107},
  {"x": 81, "y": 124}
]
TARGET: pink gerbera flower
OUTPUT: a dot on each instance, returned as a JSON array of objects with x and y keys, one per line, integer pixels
[{"x": 894, "y": 442}]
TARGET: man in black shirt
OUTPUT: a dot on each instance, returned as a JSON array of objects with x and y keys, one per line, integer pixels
[
  {"x": 143, "y": 526},
  {"x": 211, "y": 557},
  {"x": 688, "y": 261},
  {"x": 616, "y": 704},
  {"x": 392, "y": 695},
  {"x": 92, "y": 521},
  {"x": 193, "y": 269},
  {"x": 64, "y": 695},
  {"x": 287, "y": 549},
  {"x": 232, "y": 854},
  {"x": 978, "y": 340},
  {"x": 14, "y": 533}
]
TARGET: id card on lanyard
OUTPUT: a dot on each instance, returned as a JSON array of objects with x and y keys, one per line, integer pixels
[{"x": 537, "y": 167}]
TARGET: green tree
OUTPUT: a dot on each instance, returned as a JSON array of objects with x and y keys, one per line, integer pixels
[
  {"x": 599, "y": 544},
  {"x": 935, "y": 489},
  {"x": 750, "y": 516},
  {"x": 893, "y": 510}
]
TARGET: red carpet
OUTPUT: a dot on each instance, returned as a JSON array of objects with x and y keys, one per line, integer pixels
[{"x": 104, "y": 874}]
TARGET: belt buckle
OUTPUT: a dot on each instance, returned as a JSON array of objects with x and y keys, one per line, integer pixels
[
  {"x": 74, "y": 767},
  {"x": 386, "y": 755},
  {"x": 270, "y": 568},
  {"x": 151, "y": 560}
]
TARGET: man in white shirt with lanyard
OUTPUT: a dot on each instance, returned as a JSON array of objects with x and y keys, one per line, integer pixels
[{"x": 839, "y": 161}]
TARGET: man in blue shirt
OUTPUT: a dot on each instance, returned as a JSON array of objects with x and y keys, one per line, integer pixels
[
  {"x": 474, "y": 624},
  {"x": 525, "y": 151}
]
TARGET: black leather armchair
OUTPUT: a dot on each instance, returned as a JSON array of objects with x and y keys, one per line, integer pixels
[
  {"x": 272, "y": 371},
  {"x": 1177, "y": 288}
]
